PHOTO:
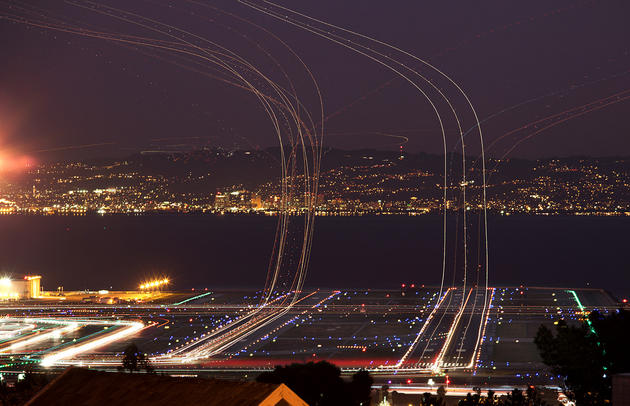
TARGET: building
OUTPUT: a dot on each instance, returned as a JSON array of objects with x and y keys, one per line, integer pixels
[
  {"x": 79, "y": 386},
  {"x": 27, "y": 288},
  {"x": 221, "y": 201},
  {"x": 257, "y": 202}
]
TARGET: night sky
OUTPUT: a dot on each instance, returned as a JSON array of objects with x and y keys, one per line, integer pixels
[{"x": 62, "y": 90}]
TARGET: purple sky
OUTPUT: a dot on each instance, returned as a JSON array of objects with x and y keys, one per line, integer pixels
[{"x": 59, "y": 89}]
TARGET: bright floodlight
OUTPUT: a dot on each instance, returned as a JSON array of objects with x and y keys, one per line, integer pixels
[{"x": 155, "y": 284}]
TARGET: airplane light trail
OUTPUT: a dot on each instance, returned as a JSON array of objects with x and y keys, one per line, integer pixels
[
  {"x": 352, "y": 40},
  {"x": 284, "y": 109},
  {"x": 477, "y": 352},
  {"x": 414, "y": 344}
]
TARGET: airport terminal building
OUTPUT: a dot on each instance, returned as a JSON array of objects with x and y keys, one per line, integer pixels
[{"x": 28, "y": 287}]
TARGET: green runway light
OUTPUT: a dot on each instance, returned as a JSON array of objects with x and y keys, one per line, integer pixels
[
  {"x": 192, "y": 298},
  {"x": 588, "y": 321},
  {"x": 582, "y": 309}
]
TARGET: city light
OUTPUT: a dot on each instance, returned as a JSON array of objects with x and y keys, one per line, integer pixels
[{"x": 524, "y": 195}]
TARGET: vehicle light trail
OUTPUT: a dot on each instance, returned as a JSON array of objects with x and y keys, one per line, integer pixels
[
  {"x": 53, "y": 357},
  {"x": 39, "y": 337},
  {"x": 63, "y": 356}
]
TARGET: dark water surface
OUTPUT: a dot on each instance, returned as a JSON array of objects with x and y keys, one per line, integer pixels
[{"x": 383, "y": 251}]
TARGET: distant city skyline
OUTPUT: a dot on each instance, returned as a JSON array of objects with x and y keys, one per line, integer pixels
[{"x": 351, "y": 183}]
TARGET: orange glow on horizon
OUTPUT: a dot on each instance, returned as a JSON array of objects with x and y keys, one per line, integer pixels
[{"x": 15, "y": 163}]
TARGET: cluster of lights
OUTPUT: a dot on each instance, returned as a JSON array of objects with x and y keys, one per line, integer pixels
[
  {"x": 352, "y": 347},
  {"x": 158, "y": 283}
]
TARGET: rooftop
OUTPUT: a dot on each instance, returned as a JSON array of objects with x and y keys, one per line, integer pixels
[{"x": 88, "y": 387}]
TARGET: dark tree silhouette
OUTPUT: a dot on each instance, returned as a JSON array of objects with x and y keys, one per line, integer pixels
[
  {"x": 490, "y": 399},
  {"x": 320, "y": 384},
  {"x": 135, "y": 360},
  {"x": 471, "y": 400},
  {"x": 441, "y": 395},
  {"x": 5, "y": 393},
  {"x": 24, "y": 389},
  {"x": 515, "y": 398},
  {"x": 428, "y": 399},
  {"x": 586, "y": 356},
  {"x": 361, "y": 387}
]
